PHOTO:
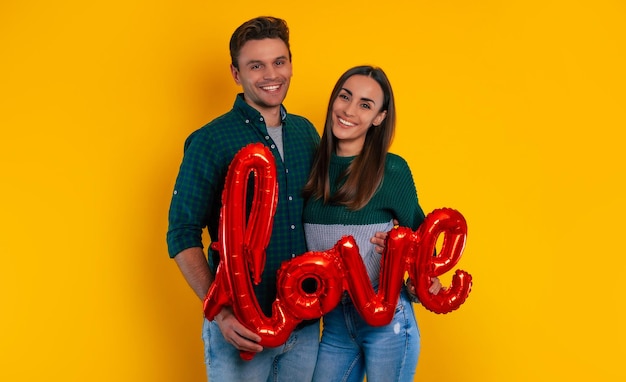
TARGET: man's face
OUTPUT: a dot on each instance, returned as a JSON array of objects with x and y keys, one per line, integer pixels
[{"x": 264, "y": 72}]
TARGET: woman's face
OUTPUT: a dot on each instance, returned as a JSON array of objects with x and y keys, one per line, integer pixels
[{"x": 356, "y": 108}]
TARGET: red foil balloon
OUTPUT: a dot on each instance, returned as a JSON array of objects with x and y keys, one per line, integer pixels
[
  {"x": 452, "y": 224},
  {"x": 242, "y": 247},
  {"x": 322, "y": 269},
  {"x": 377, "y": 309}
]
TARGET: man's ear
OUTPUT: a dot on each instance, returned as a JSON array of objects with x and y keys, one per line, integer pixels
[{"x": 235, "y": 73}]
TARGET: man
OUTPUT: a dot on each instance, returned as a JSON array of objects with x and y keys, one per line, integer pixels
[{"x": 261, "y": 65}]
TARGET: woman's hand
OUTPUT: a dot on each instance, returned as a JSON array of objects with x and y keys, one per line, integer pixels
[{"x": 435, "y": 286}]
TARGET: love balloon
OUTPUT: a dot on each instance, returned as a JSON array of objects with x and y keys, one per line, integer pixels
[{"x": 241, "y": 245}]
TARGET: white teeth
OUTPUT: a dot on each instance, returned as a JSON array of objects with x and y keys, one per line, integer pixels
[
  {"x": 344, "y": 122},
  {"x": 270, "y": 88}
]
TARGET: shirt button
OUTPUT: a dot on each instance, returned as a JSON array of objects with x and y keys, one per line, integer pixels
[
  {"x": 293, "y": 255},
  {"x": 290, "y": 198},
  {"x": 286, "y": 171},
  {"x": 267, "y": 137},
  {"x": 273, "y": 146},
  {"x": 247, "y": 121},
  {"x": 293, "y": 226},
  {"x": 261, "y": 119}
]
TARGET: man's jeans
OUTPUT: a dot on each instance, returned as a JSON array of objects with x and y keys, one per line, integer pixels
[{"x": 293, "y": 361}]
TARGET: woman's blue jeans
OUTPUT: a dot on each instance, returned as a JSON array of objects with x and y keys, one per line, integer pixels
[{"x": 351, "y": 349}]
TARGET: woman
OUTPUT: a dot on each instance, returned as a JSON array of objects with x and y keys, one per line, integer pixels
[{"x": 357, "y": 188}]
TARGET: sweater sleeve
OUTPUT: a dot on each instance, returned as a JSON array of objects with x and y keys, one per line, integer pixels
[{"x": 403, "y": 194}]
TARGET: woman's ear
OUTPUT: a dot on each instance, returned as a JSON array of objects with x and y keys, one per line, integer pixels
[{"x": 379, "y": 118}]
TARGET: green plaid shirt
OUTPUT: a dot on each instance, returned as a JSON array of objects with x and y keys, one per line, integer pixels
[{"x": 196, "y": 200}]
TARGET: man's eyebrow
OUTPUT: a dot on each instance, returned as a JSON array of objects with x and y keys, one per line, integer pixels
[
  {"x": 260, "y": 61},
  {"x": 254, "y": 62}
]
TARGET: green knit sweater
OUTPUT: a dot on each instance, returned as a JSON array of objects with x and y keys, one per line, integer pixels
[{"x": 396, "y": 198}]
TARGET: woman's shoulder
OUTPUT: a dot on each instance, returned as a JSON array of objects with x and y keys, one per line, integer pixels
[{"x": 395, "y": 162}]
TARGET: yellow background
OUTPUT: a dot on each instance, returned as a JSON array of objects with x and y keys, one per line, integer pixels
[{"x": 511, "y": 112}]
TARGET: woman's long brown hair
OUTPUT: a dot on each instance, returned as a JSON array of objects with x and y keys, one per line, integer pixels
[{"x": 365, "y": 174}]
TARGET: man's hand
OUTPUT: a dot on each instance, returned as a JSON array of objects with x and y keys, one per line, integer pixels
[
  {"x": 379, "y": 239},
  {"x": 242, "y": 338}
]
